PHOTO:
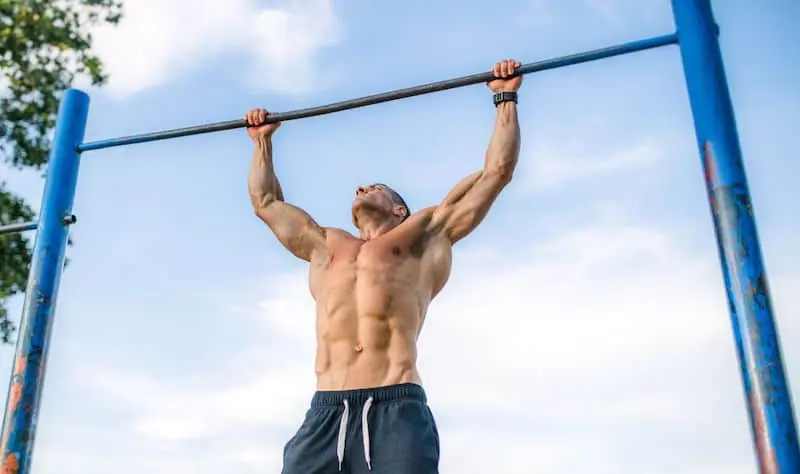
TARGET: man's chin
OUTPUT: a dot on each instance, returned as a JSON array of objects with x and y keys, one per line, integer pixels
[{"x": 363, "y": 204}]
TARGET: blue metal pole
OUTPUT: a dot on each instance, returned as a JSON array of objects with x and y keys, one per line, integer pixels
[
  {"x": 27, "y": 376},
  {"x": 758, "y": 349}
]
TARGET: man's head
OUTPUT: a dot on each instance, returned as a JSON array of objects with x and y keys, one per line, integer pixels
[{"x": 379, "y": 203}]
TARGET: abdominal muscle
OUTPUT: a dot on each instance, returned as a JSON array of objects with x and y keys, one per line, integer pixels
[{"x": 368, "y": 320}]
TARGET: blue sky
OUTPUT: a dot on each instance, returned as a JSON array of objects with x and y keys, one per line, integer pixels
[{"x": 585, "y": 321}]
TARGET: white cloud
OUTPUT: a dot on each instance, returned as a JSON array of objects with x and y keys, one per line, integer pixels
[
  {"x": 211, "y": 407},
  {"x": 287, "y": 41},
  {"x": 552, "y": 165},
  {"x": 159, "y": 41},
  {"x": 555, "y": 359}
]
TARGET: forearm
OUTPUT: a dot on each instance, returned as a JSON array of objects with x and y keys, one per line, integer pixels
[
  {"x": 504, "y": 146},
  {"x": 263, "y": 185},
  {"x": 501, "y": 156}
]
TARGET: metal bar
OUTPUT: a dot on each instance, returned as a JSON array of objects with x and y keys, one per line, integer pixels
[
  {"x": 766, "y": 389},
  {"x": 28, "y": 372},
  {"x": 587, "y": 56},
  {"x": 17, "y": 228},
  {"x": 26, "y": 226}
]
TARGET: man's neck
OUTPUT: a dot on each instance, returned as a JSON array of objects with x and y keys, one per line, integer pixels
[{"x": 370, "y": 229}]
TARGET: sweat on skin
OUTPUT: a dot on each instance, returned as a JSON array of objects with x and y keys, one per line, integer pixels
[{"x": 372, "y": 292}]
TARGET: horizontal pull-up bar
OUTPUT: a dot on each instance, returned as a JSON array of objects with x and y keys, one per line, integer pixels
[
  {"x": 554, "y": 63},
  {"x": 26, "y": 226},
  {"x": 17, "y": 228}
]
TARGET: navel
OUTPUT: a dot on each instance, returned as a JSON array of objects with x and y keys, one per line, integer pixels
[
  {"x": 396, "y": 250},
  {"x": 358, "y": 347}
]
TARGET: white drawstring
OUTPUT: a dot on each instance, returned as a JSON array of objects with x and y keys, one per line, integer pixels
[
  {"x": 342, "y": 434},
  {"x": 365, "y": 431},
  {"x": 364, "y": 428}
]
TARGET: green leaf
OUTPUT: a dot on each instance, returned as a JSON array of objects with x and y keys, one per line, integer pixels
[{"x": 44, "y": 46}]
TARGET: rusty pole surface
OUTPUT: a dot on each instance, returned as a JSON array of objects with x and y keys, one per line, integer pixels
[
  {"x": 758, "y": 350},
  {"x": 27, "y": 375}
]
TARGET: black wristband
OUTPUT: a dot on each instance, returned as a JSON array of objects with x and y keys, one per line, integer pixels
[{"x": 505, "y": 97}]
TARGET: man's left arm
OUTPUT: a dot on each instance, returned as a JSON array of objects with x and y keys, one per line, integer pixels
[{"x": 470, "y": 200}]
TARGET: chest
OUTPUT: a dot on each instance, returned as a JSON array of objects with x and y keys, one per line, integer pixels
[
  {"x": 381, "y": 258},
  {"x": 390, "y": 261}
]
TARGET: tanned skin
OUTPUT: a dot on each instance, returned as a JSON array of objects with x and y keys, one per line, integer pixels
[{"x": 372, "y": 291}]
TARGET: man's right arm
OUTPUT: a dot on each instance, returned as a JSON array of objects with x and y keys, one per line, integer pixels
[{"x": 293, "y": 227}]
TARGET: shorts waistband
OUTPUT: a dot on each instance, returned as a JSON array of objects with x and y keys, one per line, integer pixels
[{"x": 359, "y": 396}]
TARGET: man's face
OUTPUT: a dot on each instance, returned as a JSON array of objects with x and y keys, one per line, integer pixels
[{"x": 375, "y": 197}]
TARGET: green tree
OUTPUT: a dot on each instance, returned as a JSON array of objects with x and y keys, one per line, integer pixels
[{"x": 44, "y": 46}]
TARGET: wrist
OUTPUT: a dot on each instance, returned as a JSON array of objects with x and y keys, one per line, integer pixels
[
  {"x": 263, "y": 145},
  {"x": 263, "y": 140},
  {"x": 501, "y": 97}
]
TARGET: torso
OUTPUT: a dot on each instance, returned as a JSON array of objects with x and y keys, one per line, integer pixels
[{"x": 371, "y": 301}]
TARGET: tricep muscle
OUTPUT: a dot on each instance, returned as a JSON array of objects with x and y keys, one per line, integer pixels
[
  {"x": 468, "y": 203},
  {"x": 294, "y": 228}
]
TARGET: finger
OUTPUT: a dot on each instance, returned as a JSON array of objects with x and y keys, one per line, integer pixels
[
  {"x": 262, "y": 116},
  {"x": 496, "y": 70},
  {"x": 504, "y": 69},
  {"x": 510, "y": 66}
]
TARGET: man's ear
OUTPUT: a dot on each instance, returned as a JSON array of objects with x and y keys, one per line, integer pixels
[{"x": 400, "y": 211}]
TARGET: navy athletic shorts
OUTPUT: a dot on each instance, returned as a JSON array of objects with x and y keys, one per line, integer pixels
[{"x": 385, "y": 430}]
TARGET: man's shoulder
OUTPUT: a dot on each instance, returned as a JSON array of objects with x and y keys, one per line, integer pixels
[
  {"x": 425, "y": 231},
  {"x": 422, "y": 215}
]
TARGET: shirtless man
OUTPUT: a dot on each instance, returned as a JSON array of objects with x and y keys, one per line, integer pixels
[{"x": 372, "y": 293}]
